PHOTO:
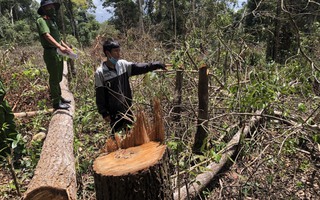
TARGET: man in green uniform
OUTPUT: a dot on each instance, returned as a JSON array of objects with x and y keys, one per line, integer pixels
[
  {"x": 7, "y": 125},
  {"x": 51, "y": 42}
]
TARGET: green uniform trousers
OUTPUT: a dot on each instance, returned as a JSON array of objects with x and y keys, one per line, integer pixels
[
  {"x": 7, "y": 127},
  {"x": 54, "y": 63}
]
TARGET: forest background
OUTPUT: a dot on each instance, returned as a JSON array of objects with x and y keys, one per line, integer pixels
[{"x": 262, "y": 57}]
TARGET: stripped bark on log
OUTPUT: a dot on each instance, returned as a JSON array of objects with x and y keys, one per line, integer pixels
[
  {"x": 55, "y": 176},
  {"x": 203, "y": 179}
]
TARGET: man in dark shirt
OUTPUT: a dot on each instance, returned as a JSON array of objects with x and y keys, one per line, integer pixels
[{"x": 113, "y": 92}]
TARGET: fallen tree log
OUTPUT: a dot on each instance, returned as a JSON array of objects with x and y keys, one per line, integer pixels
[
  {"x": 202, "y": 180},
  {"x": 32, "y": 113},
  {"x": 139, "y": 170},
  {"x": 55, "y": 176}
]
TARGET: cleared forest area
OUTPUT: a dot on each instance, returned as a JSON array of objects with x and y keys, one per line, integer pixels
[{"x": 259, "y": 83}]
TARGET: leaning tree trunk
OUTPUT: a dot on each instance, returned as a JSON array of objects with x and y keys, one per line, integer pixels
[
  {"x": 139, "y": 170},
  {"x": 55, "y": 176}
]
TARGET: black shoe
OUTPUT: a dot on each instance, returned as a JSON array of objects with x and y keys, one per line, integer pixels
[
  {"x": 61, "y": 106},
  {"x": 63, "y": 100}
]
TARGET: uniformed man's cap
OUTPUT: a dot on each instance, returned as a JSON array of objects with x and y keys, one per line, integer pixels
[{"x": 45, "y": 3}]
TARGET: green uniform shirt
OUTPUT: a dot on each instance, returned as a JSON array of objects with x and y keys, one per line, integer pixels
[
  {"x": 7, "y": 125},
  {"x": 48, "y": 26}
]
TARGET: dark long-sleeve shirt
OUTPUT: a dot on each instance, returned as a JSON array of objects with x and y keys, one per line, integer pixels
[{"x": 113, "y": 91}]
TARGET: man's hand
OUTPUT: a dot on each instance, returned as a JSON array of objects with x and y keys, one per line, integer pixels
[
  {"x": 64, "y": 50},
  {"x": 159, "y": 65},
  {"x": 66, "y": 47}
]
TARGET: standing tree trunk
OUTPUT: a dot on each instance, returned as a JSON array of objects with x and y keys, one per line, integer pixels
[
  {"x": 62, "y": 21},
  {"x": 55, "y": 176},
  {"x": 69, "y": 8},
  {"x": 178, "y": 96},
  {"x": 141, "y": 24},
  {"x": 175, "y": 20},
  {"x": 201, "y": 134},
  {"x": 276, "y": 39},
  {"x": 139, "y": 170}
]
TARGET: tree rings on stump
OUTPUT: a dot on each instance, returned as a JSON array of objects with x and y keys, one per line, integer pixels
[{"x": 139, "y": 172}]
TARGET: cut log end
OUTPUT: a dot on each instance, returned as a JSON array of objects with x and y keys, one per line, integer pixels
[{"x": 129, "y": 161}]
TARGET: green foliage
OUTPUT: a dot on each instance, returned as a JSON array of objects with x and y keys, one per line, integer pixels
[
  {"x": 302, "y": 107},
  {"x": 126, "y": 14},
  {"x": 71, "y": 40},
  {"x": 88, "y": 30},
  {"x": 31, "y": 73},
  {"x": 263, "y": 89},
  {"x": 33, "y": 152},
  {"x": 108, "y": 30},
  {"x": 316, "y": 138},
  {"x": 19, "y": 32},
  {"x": 269, "y": 82}
]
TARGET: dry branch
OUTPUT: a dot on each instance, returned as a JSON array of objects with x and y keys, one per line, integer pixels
[
  {"x": 294, "y": 121},
  {"x": 203, "y": 179},
  {"x": 55, "y": 176},
  {"x": 32, "y": 113}
]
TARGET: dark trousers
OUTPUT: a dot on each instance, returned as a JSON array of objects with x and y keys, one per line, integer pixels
[{"x": 120, "y": 124}]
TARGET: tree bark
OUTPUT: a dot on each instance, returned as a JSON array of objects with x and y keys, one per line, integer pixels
[
  {"x": 178, "y": 96},
  {"x": 203, "y": 97},
  {"x": 55, "y": 176},
  {"x": 141, "y": 23},
  {"x": 69, "y": 8},
  {"x": 276, "y": 39}
]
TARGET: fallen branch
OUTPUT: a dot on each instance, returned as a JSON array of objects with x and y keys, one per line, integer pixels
[
  {"x": 203, "y": 179},
  {"x": 32, "y": 113},
  {"x": 13, "y": 173},
  {"x": 294, "y": 118}
]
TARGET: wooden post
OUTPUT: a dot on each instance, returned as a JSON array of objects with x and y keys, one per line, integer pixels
[
  {"x": 139, "y": 170},
  {"x": 55, "y": 176}
]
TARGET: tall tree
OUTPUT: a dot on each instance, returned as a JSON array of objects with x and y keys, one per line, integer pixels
[
  {"x": 275, "y": 22},
  {"x": 126, "y": 13}
]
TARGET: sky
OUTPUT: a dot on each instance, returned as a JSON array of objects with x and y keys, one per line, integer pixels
[{"x": 101, "y": 13}]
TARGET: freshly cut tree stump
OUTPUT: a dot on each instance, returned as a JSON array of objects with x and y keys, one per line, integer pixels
[
  {"x": 134, "y": 173},
  {"x": 55, "y": 174},
  {"x": 139, "y": 170}
]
